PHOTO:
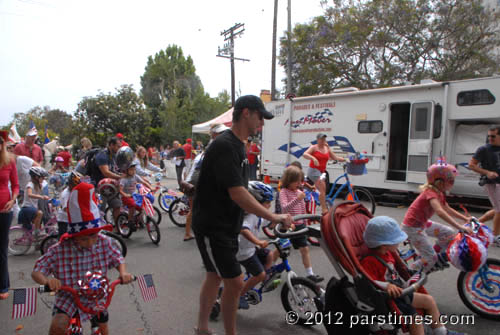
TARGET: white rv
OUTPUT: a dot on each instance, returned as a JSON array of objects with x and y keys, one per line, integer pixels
[{"x": 402, "y": 129}]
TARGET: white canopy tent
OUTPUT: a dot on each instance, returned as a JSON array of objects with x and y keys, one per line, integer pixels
[{"x": 225, "y": 118}]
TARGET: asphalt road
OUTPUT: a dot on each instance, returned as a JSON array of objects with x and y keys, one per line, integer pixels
[{"x": 177, "y": 272}]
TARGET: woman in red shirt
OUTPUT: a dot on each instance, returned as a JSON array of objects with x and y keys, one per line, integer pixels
[
  {"x": 319, "y": 154},
  {"x": 8, "y": 172}
]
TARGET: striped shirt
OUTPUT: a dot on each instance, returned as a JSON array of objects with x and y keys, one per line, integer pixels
[{"x": 291, "y": 204}]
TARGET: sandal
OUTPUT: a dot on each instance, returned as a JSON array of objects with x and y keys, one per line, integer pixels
[
  {"x": 188, "y": 238},
  {"x": 203, "y": 332},
  {"x": 4, "y": 296}
]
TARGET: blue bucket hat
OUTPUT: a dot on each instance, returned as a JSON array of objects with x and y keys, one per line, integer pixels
[{"x": 383, "y": 230}]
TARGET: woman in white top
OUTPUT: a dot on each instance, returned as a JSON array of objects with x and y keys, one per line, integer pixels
[{"x": 143, "y": 163}]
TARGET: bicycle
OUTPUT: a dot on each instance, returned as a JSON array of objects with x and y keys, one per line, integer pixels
[
  {"x": 143, "y": 218},
  {"x": 179, "y": 209},
  {"x": 21, "y": 239},
  {"x": 166, "y": 197},
  {"x": 104, "y": 293},
  {"x": 353, "y": 193},
  {"x": 480, "y": 290},
  {"x": 298, "y": 294}
]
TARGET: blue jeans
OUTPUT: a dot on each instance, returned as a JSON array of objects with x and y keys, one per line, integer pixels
[{"x": 5, "y": 221}]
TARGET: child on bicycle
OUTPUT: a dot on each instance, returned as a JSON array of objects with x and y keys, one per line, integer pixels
[
  {"x": 382, "y": 236},
  {"x": 292, "y": 202},
  {"x": 56, "y": 171},
  {"x": 417, "y": 224},
  {"x": 33, "y": 192},
  {"x": 256, "y": 261},
  {"x": 62, "y": 214},
  {"x": 128, "y": 187},
  {"x": 82, "y": 249}
]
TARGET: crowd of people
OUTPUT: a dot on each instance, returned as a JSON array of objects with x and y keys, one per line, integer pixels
[{"x": 221, "y": 175}]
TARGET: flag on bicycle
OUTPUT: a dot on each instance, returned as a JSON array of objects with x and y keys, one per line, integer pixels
[
  {"x": 24, "y": 302},
  {"x": 146, "y": 203},
  {"x": 147, "y": 287}
]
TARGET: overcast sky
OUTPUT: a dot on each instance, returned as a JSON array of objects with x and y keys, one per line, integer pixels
[{"x": 54, "y": 52}]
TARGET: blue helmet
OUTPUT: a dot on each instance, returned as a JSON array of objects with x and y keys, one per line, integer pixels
[
  {"x": 260, "y": 191},
  {"x": 383, "y": 230}
]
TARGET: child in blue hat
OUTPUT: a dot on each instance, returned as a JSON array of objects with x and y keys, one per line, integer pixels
[{"x": 383, "y": 235}]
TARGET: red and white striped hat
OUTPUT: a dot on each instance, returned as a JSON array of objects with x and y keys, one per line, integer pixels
[{"x": 83, "y": 212}]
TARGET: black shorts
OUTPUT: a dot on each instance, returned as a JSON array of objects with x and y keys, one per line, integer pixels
[
  {"x": 404, "y": 305},
  {"x": 102, "y": 317},
  {"x": 301, "y": 241},
  {"x": 219, "y": 254},
  {"x": 255, "y": 264}
]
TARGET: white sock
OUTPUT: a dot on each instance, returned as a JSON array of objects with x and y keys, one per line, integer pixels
[
  {"x": 309, "y": 271},
  {"x": 440, "y": 331}
]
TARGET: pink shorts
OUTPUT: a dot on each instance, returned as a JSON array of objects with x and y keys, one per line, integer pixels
[{"x": 493, "y": 191}]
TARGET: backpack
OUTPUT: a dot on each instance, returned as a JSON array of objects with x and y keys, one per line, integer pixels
[{"x": 89, "y": 164}]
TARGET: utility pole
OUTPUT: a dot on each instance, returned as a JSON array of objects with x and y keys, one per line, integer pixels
[
  {"x": 273, "y": 66},
  {"x": 289, "y": 86},
  {"x": 227, "y": 51}
]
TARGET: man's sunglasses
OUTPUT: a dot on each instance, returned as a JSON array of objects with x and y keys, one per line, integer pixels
[{"x": 492, "y": 136}]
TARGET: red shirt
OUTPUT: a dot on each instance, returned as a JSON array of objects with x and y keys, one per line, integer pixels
[
  {"x": 151, "y": 152},
  {"x": 66, "y": 156},
  {"x": 8, "y": 173},
  {"x": 35, "y": 153},
  {"x": 377, "y": 270},
  {"x": 322, "y": 160},
  {"x": 421, "y": 210},
  {"x": 291, "y": 204},
  {"x": 252, "y": 157},
  {"x": 188, "y": 149}
]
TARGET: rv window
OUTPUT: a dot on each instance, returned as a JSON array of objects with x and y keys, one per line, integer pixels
[
  {"x": 421, "y": 119},
  {"x": 477, "y": 97},
  {"x": 370, "y": 127},
  {"x": 438, "y": 114}
]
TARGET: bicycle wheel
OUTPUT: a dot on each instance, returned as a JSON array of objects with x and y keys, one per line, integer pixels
[
  {"x": 122, "y": 225},
  {"x": 19, "y": 241},
  {"x": 48, "y": 242},
  {"x": 108, "y": 215},
  {"x": 165, "y": 200},
  {"x": 157, "y": 217},
  {"x": 306, "y": 291},
  {"x": 117, "y": 241},
  {"x": 153, "y": 231},
  {"x": 365, "y": 198},
  {"x": 178, "y": 212},
  {"x": 474, "y": 294}
]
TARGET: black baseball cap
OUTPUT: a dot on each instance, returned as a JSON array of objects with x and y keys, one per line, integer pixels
[
  {"x": 320, "y": 135},
  {"x": 254, "y": 103}
]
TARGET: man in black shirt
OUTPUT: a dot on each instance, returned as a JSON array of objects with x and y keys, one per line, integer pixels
[
  {"x": 178, "y": 154},
  {"x": 486, "y": 161},
  {"x": 220, "y": 200}
]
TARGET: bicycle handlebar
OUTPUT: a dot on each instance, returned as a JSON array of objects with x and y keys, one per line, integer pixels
[
  {"x": 76, "y": 295},
  {"x": 278, "y": 229}
]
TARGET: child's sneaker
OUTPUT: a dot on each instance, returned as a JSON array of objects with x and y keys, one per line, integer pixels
[
  {"x": 496, "y": 241},
  {"x": 452, "y": 332},
  {"x": 315, "y": 278},
  {"x": 243, "y": 303}
]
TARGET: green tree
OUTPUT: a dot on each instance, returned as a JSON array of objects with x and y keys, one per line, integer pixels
[
  {"x": 382, "y": 43},
  {"x": 175, "y": 96},
  {"x": 107, "y": 114},
  {"x": 58, "y": 122}
]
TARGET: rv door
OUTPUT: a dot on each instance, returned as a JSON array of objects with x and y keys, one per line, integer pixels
[{"x": 420, "y": 141}]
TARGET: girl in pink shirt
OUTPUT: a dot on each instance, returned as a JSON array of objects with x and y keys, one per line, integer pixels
[
  {"x": 417, "y": 223},
  {"x": 292, "y": 201}
]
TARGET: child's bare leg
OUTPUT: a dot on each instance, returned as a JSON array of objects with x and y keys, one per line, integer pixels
[
  {"x": 38, "y": 219},
  {"x": 416, "y": 328},
  {"x": 271, "y": 258},
  {"x": 131, "y": 213},
  {"x": 428, "y": 304},
  {"x": 103, "y": 328},
  {"x": 252, "y": 281},
  {"x": 59, "y": 324},
  {"x": 306, "y": 259}
]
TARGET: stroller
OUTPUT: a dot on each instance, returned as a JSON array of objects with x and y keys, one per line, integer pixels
[{"x": 353, "y": 303}]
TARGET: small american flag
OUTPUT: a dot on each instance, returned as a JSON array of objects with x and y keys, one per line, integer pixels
[
  {"x": 147, "y": 287},
  {"x": 146, "y": 204},
  {"x": 24, "y": 302}
]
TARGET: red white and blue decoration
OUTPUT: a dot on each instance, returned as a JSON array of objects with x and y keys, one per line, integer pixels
[
  {"x": 467, "y": 253},
  {"x": 83, "y": 212}
]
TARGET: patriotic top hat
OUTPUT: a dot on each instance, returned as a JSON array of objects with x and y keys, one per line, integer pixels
[{"x": 83, "y": 213}]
